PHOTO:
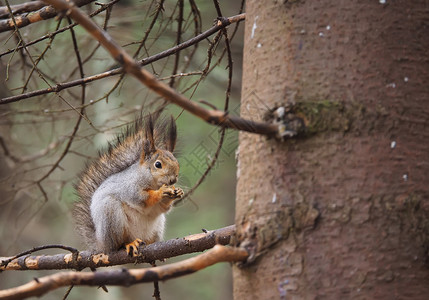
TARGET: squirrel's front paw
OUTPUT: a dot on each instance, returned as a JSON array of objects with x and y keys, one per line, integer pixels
[
  {"x": 169, "y": 195},
  {"x": 172, "y": 192}
]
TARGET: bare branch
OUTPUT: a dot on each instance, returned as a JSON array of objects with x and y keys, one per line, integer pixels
[
  {"x": 44, "y": 13},
  {"x": 5, "y": 262},
  {"x": 40, "y": 286},
  {"x": 21, "y": 8},
  {"x": 34, "y": 63},
  {"x": 178, "y": 40},
  {"x": 159, "y": 8},
  {"x": 51, "y": 34},
  {"x": 81, "y": 112},
  {"x": 61, "y": 86},
  {"x": 131, "y": 66},
  {"x": 156, "y": 251},
  {"x": 228, "y": 92}
]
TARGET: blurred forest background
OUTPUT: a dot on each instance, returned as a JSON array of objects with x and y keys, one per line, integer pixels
[{"x": 41, "y": 155}]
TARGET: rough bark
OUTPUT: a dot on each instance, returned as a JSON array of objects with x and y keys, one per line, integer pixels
[{"x": 344, "y": 212}]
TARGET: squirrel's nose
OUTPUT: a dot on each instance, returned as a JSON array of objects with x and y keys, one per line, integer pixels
[{"x": 173, "y": 180}]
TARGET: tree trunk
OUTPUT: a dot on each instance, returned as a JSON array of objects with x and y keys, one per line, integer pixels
[{"x": 342, "y": 212}]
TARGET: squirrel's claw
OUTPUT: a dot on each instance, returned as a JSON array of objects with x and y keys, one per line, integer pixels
[
  {"x": 178, "y": 193},
  {"x": 172, "y": 192},
  {"x": 169, "y": 195},
  {"x": 133, "y": 247}
]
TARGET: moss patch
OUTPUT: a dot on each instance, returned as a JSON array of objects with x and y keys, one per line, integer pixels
[{"x": 317, "y": 116}]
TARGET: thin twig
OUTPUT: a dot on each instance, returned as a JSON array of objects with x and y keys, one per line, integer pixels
[
  {"x": 68, "y": 292},
  {"x": 159, "y": 8},
  {"x": 227, "y": 94},
  {"x": 108, "y": 7},
  {"x": 60, "y": 86},
  {"x": 178, "y": 40},
  {"x": 37, "y": 60},
  {"x": 132, "y": 67},
  {"x": 156, "y": 292},
  {"x": 35, "y": 155},
  {"x": 35, "y": 64},
  {"x": 81, "y": 112}
]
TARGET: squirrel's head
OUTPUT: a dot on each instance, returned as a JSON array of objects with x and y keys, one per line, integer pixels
[{"x": 163, "y": 166}]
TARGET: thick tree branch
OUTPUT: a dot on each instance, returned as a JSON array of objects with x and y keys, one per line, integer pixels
[
  {"x": 44, "y": 13},
  {"x": 156, "y": 251},
  {"x": 40, "y": 286},
  {"x": 131, "y": 66}
]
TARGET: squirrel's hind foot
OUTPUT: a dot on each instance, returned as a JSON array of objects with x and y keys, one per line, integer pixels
[{"x": 133, "y": 247}]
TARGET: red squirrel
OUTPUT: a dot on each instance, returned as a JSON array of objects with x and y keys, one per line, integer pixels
[{"x": 125, "y": 193}]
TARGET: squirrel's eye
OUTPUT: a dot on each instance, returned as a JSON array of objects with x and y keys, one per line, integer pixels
[{"x": 158, "y": 164}]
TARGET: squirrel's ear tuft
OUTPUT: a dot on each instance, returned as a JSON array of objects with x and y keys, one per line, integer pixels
[
  {"x": 149, "y": 141},
  {"x": 170, "y": 139}
]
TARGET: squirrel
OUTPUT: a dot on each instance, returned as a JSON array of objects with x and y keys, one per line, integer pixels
[{"x": 125, "y": 193}]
